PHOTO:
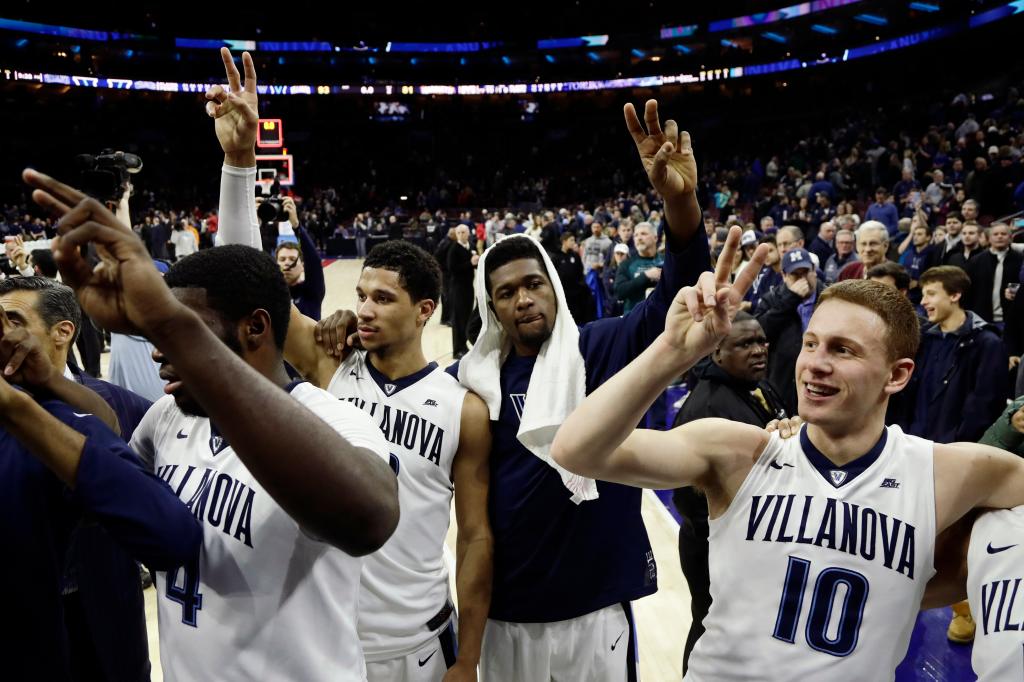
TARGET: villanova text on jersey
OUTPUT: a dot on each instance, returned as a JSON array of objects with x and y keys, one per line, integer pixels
[
  {"x": 412, "y": 431},
  {"x": 834, "y": 524},
  {"x": 216, "y": 498}
]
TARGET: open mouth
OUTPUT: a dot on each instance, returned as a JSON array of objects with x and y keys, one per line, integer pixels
[{"x": 819, "y": 390}]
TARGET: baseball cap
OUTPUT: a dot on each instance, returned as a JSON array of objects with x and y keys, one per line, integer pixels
[
  {"x": 796, "y": 259},
  {"x": 621, "y": 248},
  {"x": 748, "y": 238}
]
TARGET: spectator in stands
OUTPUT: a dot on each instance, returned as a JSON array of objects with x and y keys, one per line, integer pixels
[
  {"x": 933, "y": 194},
  {"x": 823, "y": 244},
  {"x": 915, "y": 257},
  {"x": 884, "y": 212},
  {"x": 569, "y": 267},
  {"x": 991, "y": 272},
  {"x": 596, "y": 248},
  {"x": 960, "y": 378},
  {"x": 461, "y": 265},
  {"x": 892, "y": 274},
  {"x": 784, "y": 313},
  {"x": 844, "y": 254},
  {"x": 968, "y": 247},
  {"x": 360, "y": 230},
  {"x": 872, "y": 247},
  {"x": 901, "y": 192},
  {"x": 640, "y": 272},
  {"x": 730, "y": 384},
  {"x": 441, "y": 254},
  {"x": 770, "y": 275},
  {"x": 950, "y": 243},
  {"x": 613, "y": 306},
  {"x": 969, "y": 210}
]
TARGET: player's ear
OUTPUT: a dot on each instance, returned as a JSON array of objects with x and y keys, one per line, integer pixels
[
  {"x": 62, "y": 333},
  {"x": 899, "y": 375},
  {"x": 257, "y": 329},
  {"x": 427, "y": 307}
]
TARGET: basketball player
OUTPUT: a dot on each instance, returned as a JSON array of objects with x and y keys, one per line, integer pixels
[
  {"x": 565, "y": 569},
  {"x": 839, "y": 522},
  {"x": 290, "y": 485},
  {"x": 439, "y": 438},
  {"x": 980, "y": 559},
  {"x": 438, "y": 432}
]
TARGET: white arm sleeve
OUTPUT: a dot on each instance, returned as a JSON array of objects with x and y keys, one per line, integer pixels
[{"x": 238, "y": 223}]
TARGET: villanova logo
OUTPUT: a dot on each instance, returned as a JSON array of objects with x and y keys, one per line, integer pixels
[
  {"x": 838, "y": 477},
  {"x": 519, "y": 402},
  {"x": 389, "y": 388},
  {"x": 217, "y": 444}
]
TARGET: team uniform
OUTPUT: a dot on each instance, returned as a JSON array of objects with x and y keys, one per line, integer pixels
[
  {"x": 995, "y": 569},
  {"x": 565, "y": 573},
  {"x": 263, "y": 600},
  {"x": 406, "y": 621},
  {"x": 818, "y": 571}
]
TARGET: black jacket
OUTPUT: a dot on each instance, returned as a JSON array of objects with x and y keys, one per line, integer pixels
[
  {"x": 777, "y": 312},
  {"x": 982, "y": 271}
]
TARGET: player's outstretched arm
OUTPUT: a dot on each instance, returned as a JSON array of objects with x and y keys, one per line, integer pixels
[
  {"x": 598, "y": 439},
  {"x": 316, "y": 349},
  {"x": 474, "y": 547},
  {"x": 343, "y": 494},
  {"x": 974, "y": 476},
  {"x": 234, "y": 109},
  {"x": 949, "y": 584},
  {"x": 667, "y": 158}
]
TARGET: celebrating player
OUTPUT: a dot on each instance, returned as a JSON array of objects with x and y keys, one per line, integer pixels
[
  {"x": 290, "y": 485},
  {"x": 438, "y": 432},
  {"x": 839, "y": 522}
]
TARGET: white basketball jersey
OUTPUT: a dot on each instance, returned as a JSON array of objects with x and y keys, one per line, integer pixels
[
  {"x": 264, "y": 601},
  {"x": 817, "y": 571},
  {"x": 995, "y": 568},
  {"x": 405, "y": 582}
]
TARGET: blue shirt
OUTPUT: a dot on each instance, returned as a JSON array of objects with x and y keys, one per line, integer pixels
[
  {"x": 553, "y": 559},
  {"x": 37, "y": 513},
  {"x": 886, "y": 214}
]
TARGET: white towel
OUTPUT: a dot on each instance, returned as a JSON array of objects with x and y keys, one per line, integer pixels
[{"x": 557, "y": 385}]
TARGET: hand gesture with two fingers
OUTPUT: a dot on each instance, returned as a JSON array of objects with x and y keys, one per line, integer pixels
[
  {"x": 700, "y": 316},
  {"x": 666, "y": 153}
]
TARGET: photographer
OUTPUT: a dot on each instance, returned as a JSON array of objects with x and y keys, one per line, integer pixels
[{"x": 301, "y": 265}]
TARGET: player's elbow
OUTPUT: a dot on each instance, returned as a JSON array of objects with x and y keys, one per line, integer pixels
[
  {"x": 568, "y": 456},
  {"x": 180, "y": 544},
  {"x": 377, "y": 524}
]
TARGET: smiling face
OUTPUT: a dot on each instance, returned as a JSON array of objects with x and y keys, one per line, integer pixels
[
  {"x": 843, "y": 373},
  {"x": 524, "y": 302}
]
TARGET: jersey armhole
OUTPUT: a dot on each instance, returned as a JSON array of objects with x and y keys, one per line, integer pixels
[{"x": 762, "y": 460}]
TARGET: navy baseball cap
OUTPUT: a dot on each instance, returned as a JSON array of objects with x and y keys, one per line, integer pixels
[{"x": 796, "y": 259}]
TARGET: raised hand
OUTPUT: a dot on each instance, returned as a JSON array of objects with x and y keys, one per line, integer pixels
[
  {"x": 124, "y": 293},
  {"x": 235, "y": 111},
  {"x": 701, "y": 316},
  {"x": 666, "y": 153}
]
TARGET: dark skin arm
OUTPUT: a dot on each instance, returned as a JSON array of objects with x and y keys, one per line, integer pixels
[
  {"x": 343, "y": 494},
  {"x": 667, "y": 157},
  {"x": 474, "y": 551},
  {"x": 26, "y": 364},
  {"x": 949, "y": 584}
]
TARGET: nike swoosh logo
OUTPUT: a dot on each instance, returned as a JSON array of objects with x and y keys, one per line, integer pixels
[
  {"x": 424, "y": 661},
  {"x": 776, "y": 465},
  {"x": 87, "y": 414},
  {"x": 997, "y": 550},
  {"x": 617, "y": 640},
  {"x": 182, "y": 434}
]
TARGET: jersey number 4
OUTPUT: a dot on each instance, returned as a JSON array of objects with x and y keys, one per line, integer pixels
[
  {"x": 840, "y": 640},
  {"x": 186, "y": 592}
]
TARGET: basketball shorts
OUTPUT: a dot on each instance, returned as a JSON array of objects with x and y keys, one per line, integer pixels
[
  {"x": 598, "y": 647},
  {"x": 429, "y": 663}
]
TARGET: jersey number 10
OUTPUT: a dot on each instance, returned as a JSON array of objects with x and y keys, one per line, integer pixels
[{"x": 823, "y": 601}]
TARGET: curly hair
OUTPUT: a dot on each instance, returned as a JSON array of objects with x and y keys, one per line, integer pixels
[
  {"x": 238, "y": 280},
  {"x": 418, "y": 271}
]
